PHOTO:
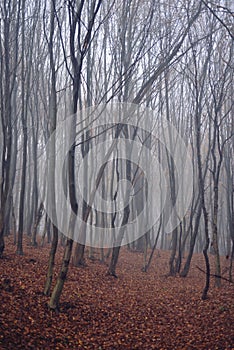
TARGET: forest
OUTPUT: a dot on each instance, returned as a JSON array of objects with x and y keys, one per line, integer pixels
[{"x": 116, "y": 174}]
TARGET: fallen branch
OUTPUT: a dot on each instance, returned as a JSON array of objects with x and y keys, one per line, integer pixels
[{"x": 214, "y": 275}]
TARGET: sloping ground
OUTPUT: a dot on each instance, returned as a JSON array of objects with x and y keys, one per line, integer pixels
[{"x": 136, "y": 311}]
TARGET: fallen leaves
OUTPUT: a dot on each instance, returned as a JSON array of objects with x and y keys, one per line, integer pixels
[{"x": 136, "y": 311}]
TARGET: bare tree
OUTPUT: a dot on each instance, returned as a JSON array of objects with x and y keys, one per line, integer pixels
[{"x": 9, "y": 45}]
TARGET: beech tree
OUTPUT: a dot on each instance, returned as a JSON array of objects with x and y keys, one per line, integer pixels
[{"x": 9, "y": 54}]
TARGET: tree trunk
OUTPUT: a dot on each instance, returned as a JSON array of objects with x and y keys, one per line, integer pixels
[
  {"x": 57, "y": 291},
  {"x": 36, "y": 224},
  {"x": 2, "y": 243},
  {"x": 51, "y": 261},
  {"x": 52, "y": 153},
  {"x": 78, "y": 257},
  {"x": 19, "y": 250},
  {"x": 186, "y": 268},
  {"x": 146, "y": 267},
  {"x": 116, "y": 249}
]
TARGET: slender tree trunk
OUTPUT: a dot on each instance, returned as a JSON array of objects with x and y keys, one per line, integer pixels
[
  {"x": 25, "y": 140},
  {"x": 57, "y": 291},
  {"x": 215, "y": 238},
  {"x": 6, "y": 114},
  {"x": 145, "y": 269},
  {"x": 53, "y": 250},
  {"x": 186, "y": 268},
  {"x": 77, "y": 64},
  {"x": 52, "y": 153},
  {"x": 116, "y": 250},
  {"x": 36, "y": 224}
]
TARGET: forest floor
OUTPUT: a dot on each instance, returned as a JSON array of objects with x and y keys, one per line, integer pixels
[{"x": 135, "y": 311}]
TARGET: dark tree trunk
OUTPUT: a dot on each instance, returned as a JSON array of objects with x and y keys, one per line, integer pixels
[
  {"x": 186, "y": 268},
  {"x": 115, "y": 251},
  {"x": 36, "y": 224}
]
